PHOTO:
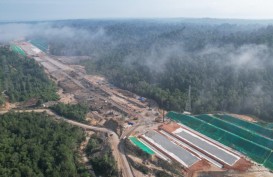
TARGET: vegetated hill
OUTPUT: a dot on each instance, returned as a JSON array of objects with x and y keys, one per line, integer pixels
[
  {"x": 75, "y": 112},
  {"x": 33, "y": 145},
  {"x": 228, "y": 64},
  {"x": 21, "y": 79}
]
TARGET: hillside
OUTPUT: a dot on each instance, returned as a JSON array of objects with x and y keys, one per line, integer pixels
[
  {"x": 36, "y": 145},
  {"x": 21, "y": 79},
  {"x": 227, "y": 63}
]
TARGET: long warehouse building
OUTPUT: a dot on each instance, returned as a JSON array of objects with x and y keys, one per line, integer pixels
[{"x": 170, "y": 149}]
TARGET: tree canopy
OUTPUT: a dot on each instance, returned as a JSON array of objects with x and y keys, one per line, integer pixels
[
  {"x": 101, "y": 157},
  {"x": 227, "y": 63},
  {"x": 21, "y": 79},
  {"x": 75, "y": 112},
  {"x": 35, "y": 145}
]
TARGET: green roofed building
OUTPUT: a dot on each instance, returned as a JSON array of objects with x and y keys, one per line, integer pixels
[{"x": 141, "y": 145}]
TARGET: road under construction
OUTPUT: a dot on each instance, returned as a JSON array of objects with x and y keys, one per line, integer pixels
[
  {"x": 171, "y": 142},
  {"x": 105, "y": 101}
]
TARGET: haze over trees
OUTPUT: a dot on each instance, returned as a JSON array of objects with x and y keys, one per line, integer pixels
[
  {"x": 22, "y": 79},
  {"x": 227, "y": 63}
]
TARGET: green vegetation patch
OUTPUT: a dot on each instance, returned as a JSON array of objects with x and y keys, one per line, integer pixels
[
  {"x": 35, "y": 145},
  {"x": 18, "y": 50},
  {"x": 144, "y": 169},
  {"x": 22, "y": 79},
  {"x": 141, "y": 145},
  {"x": 75, "y": 112}
]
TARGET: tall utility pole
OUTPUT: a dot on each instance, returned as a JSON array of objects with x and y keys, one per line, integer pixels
[
  {"x": 48, "y": 49},
  {"x": 188, "y": 103},
  {"x": 163, "y": 116}
]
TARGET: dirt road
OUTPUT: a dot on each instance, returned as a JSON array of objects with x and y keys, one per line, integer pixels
[
  {"x": 57, "y": 69},
  {"x": 118, "y": 148}
]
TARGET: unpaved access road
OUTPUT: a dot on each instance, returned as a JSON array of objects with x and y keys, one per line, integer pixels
[
  {"x": 55, "y": 69},
  {"x": 118, "y": 147}
]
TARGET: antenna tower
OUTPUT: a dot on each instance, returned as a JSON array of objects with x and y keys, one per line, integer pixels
[{"x": 188, "y": 103}]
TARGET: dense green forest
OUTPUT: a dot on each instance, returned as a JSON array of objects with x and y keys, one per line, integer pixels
[
  {"x": 21, "y": 79},
  {"x": 100, "y": 156},
  {"x": 34, "y": 145},
  {"x": 75, "y": 112},
  {"x": 227, "y": 63},
  {"x": 229, "y": 67}
]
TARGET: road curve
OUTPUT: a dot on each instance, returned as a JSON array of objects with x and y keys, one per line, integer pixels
[
  {"x": 124, "y": 166},
  {"x": 126, "y": 170}
]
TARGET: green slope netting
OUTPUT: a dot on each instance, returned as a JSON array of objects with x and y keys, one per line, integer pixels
[
  {"x": 239, "y": 131},
  {"x": 141, "y": 145},
  {"x": 269, "y": 126},
  {"x": 18, "y": 50},
  {"x": 42, "y": 45},
  {"x": 255, "y": 151},
  {"x": 269, "y": 162},
  {"x": 248, "y": 125}
]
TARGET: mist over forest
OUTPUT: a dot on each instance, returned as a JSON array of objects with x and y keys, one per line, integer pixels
[{"x": 229, "y": 64}]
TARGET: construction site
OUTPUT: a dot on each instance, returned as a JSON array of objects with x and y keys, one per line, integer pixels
[
  {"x": 200, "y": 144},
  {"x": 204, "y": 144},
  {"x": 103, "y": 98}
]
